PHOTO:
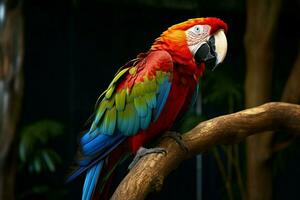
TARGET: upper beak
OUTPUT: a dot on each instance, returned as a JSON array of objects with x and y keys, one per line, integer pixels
[{"x": 221, "y": 46}]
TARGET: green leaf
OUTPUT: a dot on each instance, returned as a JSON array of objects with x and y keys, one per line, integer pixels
[
  {"x": 34, "y": 151},
  {"x": 49, "y": 161},
  {"x": 37, "y": 165}
]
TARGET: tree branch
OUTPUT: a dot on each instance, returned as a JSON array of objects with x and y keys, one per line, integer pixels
[{"x": 149, "y": 173}]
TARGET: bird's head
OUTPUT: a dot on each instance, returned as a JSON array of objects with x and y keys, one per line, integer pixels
[{"x": 198, "y": 41}]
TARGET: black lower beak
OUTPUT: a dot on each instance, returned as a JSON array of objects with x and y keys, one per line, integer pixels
[{"x": 206, "y": 54}]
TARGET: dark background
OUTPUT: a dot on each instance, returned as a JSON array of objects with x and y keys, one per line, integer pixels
[{"x": 74, "y": 48}]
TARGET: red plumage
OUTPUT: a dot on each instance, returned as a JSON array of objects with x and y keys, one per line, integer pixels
[{"x": 182, "y": 87}]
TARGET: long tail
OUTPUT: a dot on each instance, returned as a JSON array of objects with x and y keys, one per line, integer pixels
[
  {"x": 104, "y": 186},
  {"x": 98, "y": 156},
  {"x": 91, "y": 179}
]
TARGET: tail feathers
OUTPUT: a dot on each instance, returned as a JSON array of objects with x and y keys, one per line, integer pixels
[
  {"x": 93, "y": 157},
  {"x": 86, "y": 163},
  {"x": 104, "y": 185},
  {"x": 91, "y": 180},
  {"x": 74, "y": 174}
]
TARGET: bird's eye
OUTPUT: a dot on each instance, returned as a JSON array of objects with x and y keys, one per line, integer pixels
[{"x": 197, "y": 29}]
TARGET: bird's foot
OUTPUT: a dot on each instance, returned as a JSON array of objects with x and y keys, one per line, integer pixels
[
  {"x": 142, "y": 152},
  {"x": 178, "y": 138}
]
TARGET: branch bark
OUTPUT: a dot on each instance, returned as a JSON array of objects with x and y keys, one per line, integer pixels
[{"x": 148, "y": 175}]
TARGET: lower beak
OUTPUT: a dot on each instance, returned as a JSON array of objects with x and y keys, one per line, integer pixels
[{"x": 206, "y": 54}]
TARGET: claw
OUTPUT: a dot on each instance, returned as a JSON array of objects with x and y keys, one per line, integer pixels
[
  {"x": 178, "y": 138},
  {"x": 142, "y": 152}
]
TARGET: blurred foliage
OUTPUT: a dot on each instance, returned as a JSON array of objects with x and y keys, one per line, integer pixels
[
  {"x": 223, "y": 90},
  {"x": 34, "y": 151},
  {"x": 37, "y": 155},
  {"x": 222, "y": 94},
  {"x": 43, "y": 190}
]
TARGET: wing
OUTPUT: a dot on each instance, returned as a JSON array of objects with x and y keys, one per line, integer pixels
[{"x": 134, "y": 99}]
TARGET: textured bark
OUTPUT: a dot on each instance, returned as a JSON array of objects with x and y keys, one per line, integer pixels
[
  {"x": 149, "y": 173},
  {"x": 262, "y": 16},
  {"x": 11, "y": 92}
]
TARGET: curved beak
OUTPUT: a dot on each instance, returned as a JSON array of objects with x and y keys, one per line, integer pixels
[
  {"x": 221, "y": 46},
  {"x": 213, "y": 51}
]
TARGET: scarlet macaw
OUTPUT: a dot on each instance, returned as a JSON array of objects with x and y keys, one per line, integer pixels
[{"x": 146, "y": 96}]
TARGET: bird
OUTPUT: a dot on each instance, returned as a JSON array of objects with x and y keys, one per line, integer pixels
[{"x": 145, "y": 98}]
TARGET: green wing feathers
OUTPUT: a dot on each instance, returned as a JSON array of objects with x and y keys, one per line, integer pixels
[
  {"x": 129, "y": 109},
  {"x": 135, "y": 97}
]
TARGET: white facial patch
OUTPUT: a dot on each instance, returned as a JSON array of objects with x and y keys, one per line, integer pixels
[{"x": 196, "y": 36}]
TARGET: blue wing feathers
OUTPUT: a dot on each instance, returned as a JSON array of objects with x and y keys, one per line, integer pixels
[
  {"x": 103, "y": 155},
  {"x": 88, "y": 137},
  {"x": 145, "y": 121},
  {"x": 99, "y": 143},
  {"x": 130, "y": 116},
  {"x": 151, "y": 100},
  {"x": 136, "y": 124},
  {"x": 122, "y": 122}
]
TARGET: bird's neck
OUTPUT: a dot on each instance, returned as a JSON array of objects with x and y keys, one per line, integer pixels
[
  {"x": 188, "y": 75},
  {"x": 175, "y": 44}
]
